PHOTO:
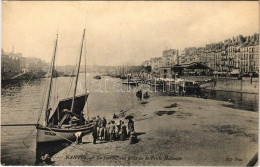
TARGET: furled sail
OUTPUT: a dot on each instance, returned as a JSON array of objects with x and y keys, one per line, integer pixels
[{"x": 65, "y": 105}]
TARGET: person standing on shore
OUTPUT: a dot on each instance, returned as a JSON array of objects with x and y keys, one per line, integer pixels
[
  {"x": 130, "y": 126},
  {"x": 107, "y": 131},
  {"x": 118, "y": 127},
  {"x": 78, "y": 137},
  {"x": 123, "y": 131},
  {"x": 103, "y": 124},
  {"x": 95, "y": 134},
  {"x": 112, "y": 128},
  {"x": 99, "y": 125}
]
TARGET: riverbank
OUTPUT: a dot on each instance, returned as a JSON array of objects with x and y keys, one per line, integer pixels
[{"x": 196, "y": 132}]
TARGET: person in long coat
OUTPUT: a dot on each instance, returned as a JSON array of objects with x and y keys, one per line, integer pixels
[
  {"x": 123, "y": 131},
  {"x": 107, "y": 132},
  {"x": 95, "y": 134},
  {"x": 103, "y": 129},
  {"x": 99, "y": 126},
  {"x": 131, "y": 127},
  {"x": 112, "y": 128}
]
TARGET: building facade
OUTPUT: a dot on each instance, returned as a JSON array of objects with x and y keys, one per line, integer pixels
[
  {"x": 11, "y": 62},
  {"x": 229, "y": 56},
  {"x": 239, "y": 53}
]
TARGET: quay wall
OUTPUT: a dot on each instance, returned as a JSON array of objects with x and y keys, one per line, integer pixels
[
  {"x": 238, "y": 85},
  {"x": 230, "y": 84}
]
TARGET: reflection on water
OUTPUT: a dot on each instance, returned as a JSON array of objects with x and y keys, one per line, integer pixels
[
  {"x": 21, "y": 103},
  {"x": 245, "y": 101}
]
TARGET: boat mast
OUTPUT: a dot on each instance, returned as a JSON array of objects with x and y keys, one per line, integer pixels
[
  {"x": 77, "y": 76},
  {"x": 86, "y": 91},
  {"x": 52, "y": 69}
]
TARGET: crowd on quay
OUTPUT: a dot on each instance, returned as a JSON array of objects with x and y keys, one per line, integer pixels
[
  {"x": 104, "y": 131},
  {"x": 112, "y": 131}
]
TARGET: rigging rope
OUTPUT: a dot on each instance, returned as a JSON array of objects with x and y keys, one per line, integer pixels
[
  {"x": 43, "y": 98},
  {"x": 70, "y": 84},
  {"x": 85, "y": 55}
]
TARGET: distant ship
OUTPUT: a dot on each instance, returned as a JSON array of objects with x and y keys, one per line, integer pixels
[
  {"x": 130, "y": 81},
  {"x": 69, "y": 75},
  {"x": 97, "y": 77}
]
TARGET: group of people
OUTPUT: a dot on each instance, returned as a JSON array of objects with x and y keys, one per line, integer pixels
[
  {"x": 141, "y": 95},
  {"x": 111, "y": 131}
]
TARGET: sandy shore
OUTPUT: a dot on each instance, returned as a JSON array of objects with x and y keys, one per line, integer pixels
[{"x": 196, "y": 132}]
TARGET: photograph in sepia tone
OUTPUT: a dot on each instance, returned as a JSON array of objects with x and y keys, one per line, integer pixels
[{"x": 122, "y": 83}]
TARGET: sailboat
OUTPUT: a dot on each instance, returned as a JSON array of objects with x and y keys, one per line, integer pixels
[{"x": 67, "y": 118}]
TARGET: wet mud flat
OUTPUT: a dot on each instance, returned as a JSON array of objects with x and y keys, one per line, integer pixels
[{"x": 175, "y": 131}]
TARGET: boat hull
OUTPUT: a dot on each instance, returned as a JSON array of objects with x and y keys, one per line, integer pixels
[{"x": 46, "y": 134}]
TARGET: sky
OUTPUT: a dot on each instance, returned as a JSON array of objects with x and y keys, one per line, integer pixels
[{"x": 121, "y": 32}]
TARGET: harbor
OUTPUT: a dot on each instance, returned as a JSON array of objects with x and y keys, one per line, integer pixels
[
  {"x": 21, "y": 94},
  {"x": 130, "y": 83}
]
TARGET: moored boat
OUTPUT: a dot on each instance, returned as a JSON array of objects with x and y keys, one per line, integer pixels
[
  {"x": 67, "y": 118},
  {"x": 59, "y": 126},
  {"x": 48, "y": 134},
  {"x": 97, "y": 77},
  {"x": 156, "y": 83},
  {"x": 137, "y": 79},
  {"x": 189, "y": 87},
  {"x": 130, "y": 82},
  {"x": 122, "y": 77}
]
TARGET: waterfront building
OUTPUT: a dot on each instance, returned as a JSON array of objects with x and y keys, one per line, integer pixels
[
  {"x": 170, "y": 57},
  {"x": 236, "y": 54},
  {"x": 165, "y": 72},
  {"x": 10, "y": 62},
  {"x": 188, "y": 55},
  {"x": 249, "y": 55},
  {"x": 194, "y": 68},
  {"x": 156, "y": 63},
  {"x": 13, "y": 64},
  {"x": 33, "y": 64},
  {"x": 249, "y": 59}
]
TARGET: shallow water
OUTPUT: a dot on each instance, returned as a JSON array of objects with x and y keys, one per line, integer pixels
[
  {"x": 245, "y": 101},
  {"x": 239, "y": 100}
]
